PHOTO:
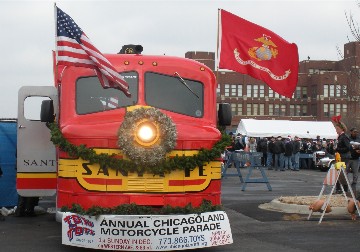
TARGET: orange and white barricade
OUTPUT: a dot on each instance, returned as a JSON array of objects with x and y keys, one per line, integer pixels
[{"x": 330, "y": 180}]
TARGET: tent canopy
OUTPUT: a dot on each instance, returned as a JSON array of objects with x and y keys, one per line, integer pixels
[{"x": 284, "y": 128}]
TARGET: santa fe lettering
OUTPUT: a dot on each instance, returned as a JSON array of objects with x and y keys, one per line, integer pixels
[{"x": 34, "y": 162}]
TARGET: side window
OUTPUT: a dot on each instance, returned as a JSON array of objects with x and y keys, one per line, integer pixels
[{"x": 32, "y": 107}]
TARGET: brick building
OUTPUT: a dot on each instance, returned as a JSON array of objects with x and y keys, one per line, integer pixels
[{"x": 325, "y": 88}]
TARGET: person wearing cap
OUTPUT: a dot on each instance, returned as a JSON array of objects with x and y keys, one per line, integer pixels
[
  {"x": 353, "y": 164},
  {"x": 229, "y": 151},
  {"x": 239, "y": 146},
  {"x": 232, "y": 157},
  {"x": 343, "y": 148}
]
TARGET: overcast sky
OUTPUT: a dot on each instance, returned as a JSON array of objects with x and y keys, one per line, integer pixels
[{"x": 163, "y": 27}]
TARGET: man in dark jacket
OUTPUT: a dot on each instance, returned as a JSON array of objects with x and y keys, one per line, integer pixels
[
  {"x": 270, "y": 153},
  {"x": 262, "y": 147},
  {"x": 289, "y": 148},
  {"x": 279, "y": 149}
]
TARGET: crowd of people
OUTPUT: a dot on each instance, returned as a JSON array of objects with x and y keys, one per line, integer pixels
[
  {"x": 280, "y": 153},
  {"x": 283, "y": 153}
]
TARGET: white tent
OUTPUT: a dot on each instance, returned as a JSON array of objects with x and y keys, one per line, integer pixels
[{"x": 284, "y": 128}]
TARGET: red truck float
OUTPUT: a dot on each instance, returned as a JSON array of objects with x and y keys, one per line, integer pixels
[{"x": 171, "y": 115}]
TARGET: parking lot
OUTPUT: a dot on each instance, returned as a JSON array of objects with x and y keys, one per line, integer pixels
[{"x": 253, "y": 229}]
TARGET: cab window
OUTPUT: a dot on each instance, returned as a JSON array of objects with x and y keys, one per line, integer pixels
[
  {"x": 91, "y": 97},
  {"x": 173, "y": 93}
]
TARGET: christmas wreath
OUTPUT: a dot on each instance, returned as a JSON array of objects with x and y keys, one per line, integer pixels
[{"x": 163, "y": 144}]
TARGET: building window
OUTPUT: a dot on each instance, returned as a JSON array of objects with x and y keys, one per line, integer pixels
[
  {"x": 233, "y": 90},
  {"x": 297, "y": 93},
  {"x": 304, "y": 92},
  {"x": 255, "y": 91},
  {"x": 331, "y": 109},
  {"x": 326, "y": 90},
  {"x": 233, "y": 108},
  {"x": 271, "y": 93},
  {"x": 337, "y": 109},
  {"x": 304, "y": 110},
  {"x": 248, "y": 90},
  {"x": 240, "y": 90},
  {"x": 331, "y": 90},
  {"x": 338, "y": 91},
  {"x": 274, "y": 94},
  {"x": 283, "y": 110},
  {"x": 239, "y": 109},
  {"x": 276, "y": 109},
  {"x": 344, "y": 109},
  {"x": 218, "y": 91},
  {"x": 326, "y": 110},
  {"x": 255, "y": 109},
  {"x": 261, "y": 90},
  {"x": 271, "y": 109},
  {"x": 261, "y": 109},
  {"x": 227, "y": 90},
  {"x": 248, "y": 109},
  {"x": 344, "y": 90},
  {"x": 292, "y": 110},
  {"x": 297, "y": 110}
]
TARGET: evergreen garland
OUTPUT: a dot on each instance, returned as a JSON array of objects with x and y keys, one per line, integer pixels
[
  {"x": 134, "y": 209},
  {"x": 165, "y": 166}
]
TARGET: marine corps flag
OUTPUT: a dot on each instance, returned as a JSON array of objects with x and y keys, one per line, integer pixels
[{"x": 254, "y": 50}]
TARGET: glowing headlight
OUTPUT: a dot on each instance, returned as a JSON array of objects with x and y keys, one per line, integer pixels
[{"x": 146, "y": 133}]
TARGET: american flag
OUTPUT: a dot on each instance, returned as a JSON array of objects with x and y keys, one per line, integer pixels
[{"x": 74, "y": 48}]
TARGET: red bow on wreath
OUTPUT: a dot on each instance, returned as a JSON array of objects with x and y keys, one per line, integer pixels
[{"x": 336, "y": 119}]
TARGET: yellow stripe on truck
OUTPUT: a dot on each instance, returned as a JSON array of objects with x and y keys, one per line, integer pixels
[{"x": 92, "y": 177}]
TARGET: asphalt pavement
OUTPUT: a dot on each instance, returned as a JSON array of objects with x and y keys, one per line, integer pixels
[{"x": 253, "y": 228}]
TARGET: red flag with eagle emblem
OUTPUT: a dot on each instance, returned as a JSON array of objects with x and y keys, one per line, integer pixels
[{"x": 254, "y": 50}]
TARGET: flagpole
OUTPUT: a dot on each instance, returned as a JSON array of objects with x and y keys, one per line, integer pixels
[
  {"x": 56, "y": 53},
  {"x": 217, "y": 46}
]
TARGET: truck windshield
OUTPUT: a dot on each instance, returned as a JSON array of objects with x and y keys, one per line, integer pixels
[
  {"x": 171, "y": 93},
  {"x": 91, "y": 97}
]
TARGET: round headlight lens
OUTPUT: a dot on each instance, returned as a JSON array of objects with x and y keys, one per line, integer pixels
[{"x": 146, "y": 133}]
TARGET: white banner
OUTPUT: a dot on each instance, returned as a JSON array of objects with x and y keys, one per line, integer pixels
[{"x": 146, "y": 232}]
